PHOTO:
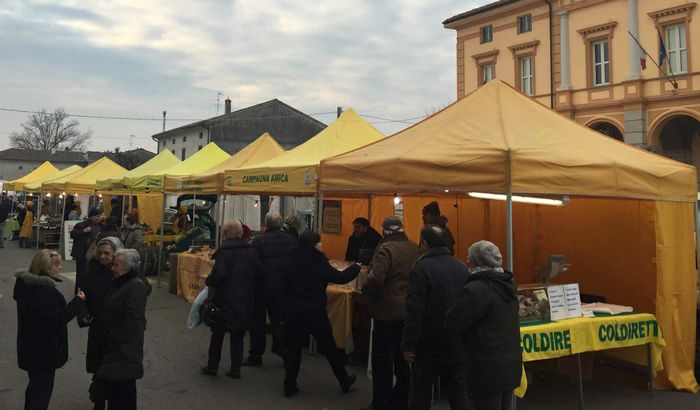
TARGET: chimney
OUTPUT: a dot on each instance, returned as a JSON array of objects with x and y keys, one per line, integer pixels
[{"x": 227, "y": 106}]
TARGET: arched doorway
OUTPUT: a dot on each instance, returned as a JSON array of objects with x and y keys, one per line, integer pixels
[
  {"x": 679, "y": 138},
  {"x": 607, "y": 128}
]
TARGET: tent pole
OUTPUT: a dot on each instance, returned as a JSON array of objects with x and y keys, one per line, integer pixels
[
  {"x": 194, "y": 205},
  {"x": 60, "y": 232},
  {"x": 509, "y": 212},
  {"x": 697, "y": 233},
  {"x": 160, "y": 251},
  {"x": 36, "y": 218},
  {"x": 369, "y": 209}
]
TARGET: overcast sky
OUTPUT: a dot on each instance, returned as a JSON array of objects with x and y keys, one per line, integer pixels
[{"x": 390, "y": 59}]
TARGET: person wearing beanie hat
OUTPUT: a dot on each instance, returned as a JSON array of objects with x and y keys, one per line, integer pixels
[
  {"x": 385, "y": 292},
  {"x": 487, "y": 310},
  {"x": 84, "y": 234},
  {"x": 432, "y": 216},
  {"x": 362, "y": 242}
]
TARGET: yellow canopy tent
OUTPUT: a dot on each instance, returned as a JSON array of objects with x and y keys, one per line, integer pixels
[
  {"x": 83, "y": 181},
  {"x": 42, "y": 171},
  {"x": 295, "y": 172},
  {"x": 211, "y": 181},
  {"x": 209, "y": 156},
  {"x": 634, "y": 244},
  {"x": 35, "y": 186},
  {"x": 119, "y": 185}
]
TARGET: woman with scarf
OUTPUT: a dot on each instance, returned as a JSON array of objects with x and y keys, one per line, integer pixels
[{"x": 485, "y": 317}]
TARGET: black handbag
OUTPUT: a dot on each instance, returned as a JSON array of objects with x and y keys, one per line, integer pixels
[{"x": 210, "y": 312}]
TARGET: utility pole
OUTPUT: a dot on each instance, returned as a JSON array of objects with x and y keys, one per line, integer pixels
[
  {"x": 164, "y": 113},
  {"x": 340, "y": 111},
  {"x": 131, "y": 142}
]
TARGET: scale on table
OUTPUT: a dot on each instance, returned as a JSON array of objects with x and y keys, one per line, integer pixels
[{"x": 555, "y": 265}]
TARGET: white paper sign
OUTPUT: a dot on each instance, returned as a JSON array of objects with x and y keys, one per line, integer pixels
[
  {"x": 67, "y": 240},
  {"x": 564, "y": 301},
  {"x": 573, "y": 300}
]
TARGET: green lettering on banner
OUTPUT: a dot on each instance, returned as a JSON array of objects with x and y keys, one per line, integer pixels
[
  {"x": 535, "y": 345},
  {"x": 544, "y": 341},
  {"x": 601, "y": 333},
  {"x": 624, "y": 332},
  {"x": 655, "y": 327},
  {"x": 610, "y": 332},
  {"x": 642, "y": 330},
  {"x": 527, "y": 343},
  {"x": 567, "y": 339},
  {"x": 558, "y": 345},
  {"x": 634, "y": 332}
]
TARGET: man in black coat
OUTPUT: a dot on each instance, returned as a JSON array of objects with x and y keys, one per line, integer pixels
[
  {"x": 124, "y": 323},
  {"x": 236, "y": 269},
  {"x": 432, "y": 216},
  {"x": 273, "y": 248},
  {"x": 434, "y": 282},
  {"x": 83, "y": 234},
  {"x": 5, "y": 209},
  {"x": 42, "y": 336},
  {"x": 485, "y": 317},
  {"x": 362, "y": 242}
]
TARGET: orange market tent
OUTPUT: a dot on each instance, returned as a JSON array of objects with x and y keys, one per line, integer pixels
[
  {"x": 628, "y": 230},
  {"x": 42, "y": 171},
  {"x": 211, "y": 181},
  {"x": 35, "y": 186},
  {"x": 296, "y": 171},
  {"x": 84, "y": 180},
  {"x": 209, "y": 156}
]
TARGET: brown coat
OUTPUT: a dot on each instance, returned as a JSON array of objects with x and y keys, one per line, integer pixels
[{"x": 387, "y": 281}]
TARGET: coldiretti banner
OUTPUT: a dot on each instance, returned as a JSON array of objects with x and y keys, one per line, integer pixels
[
  {"x": 300, "y": 180},
  {"x": 573, "y": 336}
]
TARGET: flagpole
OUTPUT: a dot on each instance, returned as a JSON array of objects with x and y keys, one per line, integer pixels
[{"x": 670, "y": 80}]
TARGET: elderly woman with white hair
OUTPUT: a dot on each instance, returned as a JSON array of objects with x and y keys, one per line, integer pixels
[
  {"x": 124, "y": 323},
  {"x": 485, "y": 317}
]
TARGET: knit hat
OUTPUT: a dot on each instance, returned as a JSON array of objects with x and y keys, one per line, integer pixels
[
  {"x": 392, "y": 224},
  {"x": 112, "y": 241},
  {"x": 93, "y": 212},
  {"x": 246, "y": 232},
  {"x": 432, "y": 208},
  {"x": 485, "y": 254}
]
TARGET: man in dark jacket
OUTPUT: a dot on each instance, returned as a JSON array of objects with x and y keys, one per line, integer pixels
[
  {"x": 42, "y": 336},
  {"x": 5, "y": 209},
  {"x": 116, "y": 211},
  {"x": 273, "y": 248},
  {"x": 485, "y": 317},
  {"x": 236, "y": 268},
  {"x": 385, "y": 291},
  {"x": 435, "y": 280},
  {"x": 124, "y": 313},
  {"x": 362, "y": 242},
  {"x": 83, "y": 235},
  {"x": 432, "y": 216}
]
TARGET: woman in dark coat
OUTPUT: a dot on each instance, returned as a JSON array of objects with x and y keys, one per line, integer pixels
[
  {"x": 485, "y": 316},
  {"x": 305, "y": 282},
  {"x": 97, "y": 283},
  {"x": 123, "y": 326},
  {"x": 42, "y": 335},
  {"x": 236, "y": 269}
]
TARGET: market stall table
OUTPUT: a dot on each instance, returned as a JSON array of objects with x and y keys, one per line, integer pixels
[{"x": 575, "y": 336}]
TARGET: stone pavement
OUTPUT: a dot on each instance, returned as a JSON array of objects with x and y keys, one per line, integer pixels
[{"x": 173, "y": 356}]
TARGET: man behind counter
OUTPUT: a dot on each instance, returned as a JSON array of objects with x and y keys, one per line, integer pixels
[{"x": 362, "y": 242}]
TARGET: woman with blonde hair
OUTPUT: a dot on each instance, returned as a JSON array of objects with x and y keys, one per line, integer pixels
[{"x": 42, "y": 334}]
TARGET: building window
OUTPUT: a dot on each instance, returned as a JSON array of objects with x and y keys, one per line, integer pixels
[
  {"x": 486, "y": 34},
  {"x": 487, "y": 73},
  {"x": 184, "y": 154},
  {"x": 601, "y": 63},
  {"x": 201, "y": 134},
  {"x": 184, "y": 139},
  {"x": 174, "y": 153},
  {"x": 526, "y": 75},
  {"x": 21, "y": 167},
  {"x": 165, "y": 142},
  {"x": 525, "y": 24},
  {"x": 676, "y": 49},
  {"x": 199, "y": 148},
  {"x": 173, "y": 141}
]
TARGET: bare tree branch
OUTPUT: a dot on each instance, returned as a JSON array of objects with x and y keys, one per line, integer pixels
[{"x": 51, "y": 131}]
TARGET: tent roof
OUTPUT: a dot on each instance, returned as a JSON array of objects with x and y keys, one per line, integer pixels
[
  {"x": 42, "y": 171},
  {"x": 83, "y": 181},
  {"x": 163, "y": 160},
  {"x": 211, "y": 180},
  {"x": 295, "y": 171},
  {"x": 473, "y": 144},
  {"x": 36, "y": 185},
  {"x": 209, "y": 156}
]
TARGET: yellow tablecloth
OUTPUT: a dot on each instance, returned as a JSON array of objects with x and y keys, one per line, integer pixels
[
  {"x": 154, "y": 239},
  {"x": 573, "y": 336},
  {"x": 192, "y": 272}
]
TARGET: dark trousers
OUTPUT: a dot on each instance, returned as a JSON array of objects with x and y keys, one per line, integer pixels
[
  {"x": 265, "y": 307},
  {"x": 217, "y": 341},
  {"x": 423, "y": 372},
  {"x": 491, "y": 400},
  {"x": 80, "y": 273},
  {"x": 297, "y": 328},
  {"x": 39, "y": 389},
  {"x": 387, "y": 362},
  {"x": 121, "y": 395}
]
